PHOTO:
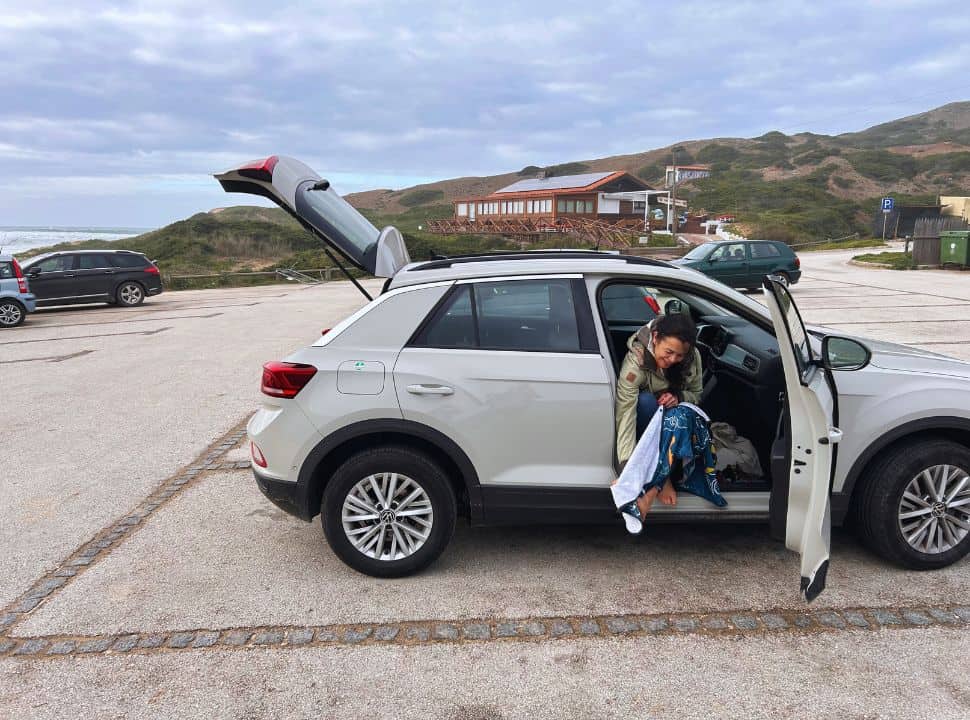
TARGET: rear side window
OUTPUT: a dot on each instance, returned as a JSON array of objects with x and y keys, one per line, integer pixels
[
  {"x": 6, "y": 270},
  {"x": 524, "y": 315},
  {"x": 453, "y": 324},
  {"x": 629, "y": 304},
  {"x": 91, "y": 262},
  {"x": 764, "y": 250},
  {"x": 59, "y": 263},
  {"x": 124, "y": 260}
]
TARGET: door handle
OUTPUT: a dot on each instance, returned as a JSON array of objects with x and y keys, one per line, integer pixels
[{"x": 430, "y": 390}]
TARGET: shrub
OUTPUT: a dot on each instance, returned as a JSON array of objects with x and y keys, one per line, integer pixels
[{"x": 421, "y": 197}]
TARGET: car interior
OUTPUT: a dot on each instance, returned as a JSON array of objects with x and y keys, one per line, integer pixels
[{"x": 744, "y": 383}]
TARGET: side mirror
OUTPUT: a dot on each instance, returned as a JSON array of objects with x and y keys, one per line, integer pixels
[
  {"x": 34, "y": 271},
  {"x": 839, "y": 353},
  {"x": 713, "y": 259}
]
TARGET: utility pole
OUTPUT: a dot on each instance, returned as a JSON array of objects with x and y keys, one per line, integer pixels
[{"x": 673, "y": 195}]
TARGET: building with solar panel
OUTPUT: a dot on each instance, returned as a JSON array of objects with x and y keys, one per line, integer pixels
[{"x": 602, "y": 195}]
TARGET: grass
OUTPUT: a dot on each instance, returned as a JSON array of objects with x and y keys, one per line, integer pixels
[
  {"x": 844, "y": 245},
  {"x": 894, "y": 260}
]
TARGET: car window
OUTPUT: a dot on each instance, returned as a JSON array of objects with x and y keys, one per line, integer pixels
[
  {"x": 58, "y": 263},
  {"x": 452, "y": 324},
  {"x": 764, "y": 250},
  {"x": 796, "y": 328},
  {"x": 628, "y": 304},
  {"x": 125, "y": 260},
  {"x": 730, "y": 253},
  {"x": 527, "y": 315},
  {"x": 6, "y": 270},
  {"x": 698, "y": 253},
  {"x": 90, "y": 262}
]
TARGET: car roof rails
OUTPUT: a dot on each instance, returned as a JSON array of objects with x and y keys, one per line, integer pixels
[{"x": 440, "y": 262}]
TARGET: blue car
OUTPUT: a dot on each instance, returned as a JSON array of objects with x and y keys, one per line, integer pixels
[{"x": 16, "y": 300}]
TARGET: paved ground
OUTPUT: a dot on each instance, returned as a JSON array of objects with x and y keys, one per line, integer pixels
[{"x": 144, "y": 575}]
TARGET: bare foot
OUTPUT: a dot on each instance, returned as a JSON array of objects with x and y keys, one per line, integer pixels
[
  {"x": 668, "y": 496},
  {"x": 645, "y": 501}
]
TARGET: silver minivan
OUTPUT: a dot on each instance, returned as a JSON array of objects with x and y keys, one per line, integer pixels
[
  {"x": 484, "y": 387},
  {"x": 16, "y": 300}
]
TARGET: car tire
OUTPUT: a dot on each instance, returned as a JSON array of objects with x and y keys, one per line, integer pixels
[
  {"x": 130, "y": 294},
  {"x": 341, "y": 513},
  {"x": 890, "y": 510},
  {"x": 784, "y": 277},
  {"x": 12, "y": 313}
]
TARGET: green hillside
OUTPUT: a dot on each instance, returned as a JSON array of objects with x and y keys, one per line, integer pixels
[{"x": 795, "y": 188}]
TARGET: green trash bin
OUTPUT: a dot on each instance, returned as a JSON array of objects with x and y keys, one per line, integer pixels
[{"x": 955, "y": 247}]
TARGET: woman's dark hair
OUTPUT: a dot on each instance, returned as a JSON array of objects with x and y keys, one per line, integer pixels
[{"x": 680, "y": 326}]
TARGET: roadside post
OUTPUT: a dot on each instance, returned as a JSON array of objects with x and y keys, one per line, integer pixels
[{"x": 887, "y": 207}]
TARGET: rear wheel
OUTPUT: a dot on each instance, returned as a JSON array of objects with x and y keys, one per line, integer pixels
[
  {"x": 12, "y": 313},
  {"x": 388, "y": 512},
  {"x": 130, "y": 294},
  {"x": 915, "y": 504}
]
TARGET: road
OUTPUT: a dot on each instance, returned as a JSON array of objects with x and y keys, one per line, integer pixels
[{"x": 145, "y": 576}]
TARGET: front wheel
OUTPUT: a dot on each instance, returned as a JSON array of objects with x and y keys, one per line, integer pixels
[
  {"x": 915, "y": 504},
  {"x": 389, "y": 512},
  {"x": 130, "y": 294},
  {"x": 12, "y": 313}
]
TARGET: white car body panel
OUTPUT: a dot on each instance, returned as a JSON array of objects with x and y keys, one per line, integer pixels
[{"x": 811, "y": 410}]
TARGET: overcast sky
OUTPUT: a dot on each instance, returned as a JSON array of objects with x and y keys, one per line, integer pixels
[{"x": 117, "y": 114}]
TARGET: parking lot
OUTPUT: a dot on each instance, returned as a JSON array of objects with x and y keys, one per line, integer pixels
[{"x": 145, "y": 576}]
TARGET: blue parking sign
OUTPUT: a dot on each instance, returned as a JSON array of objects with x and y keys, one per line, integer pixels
[{"x": 888, "y": 203}]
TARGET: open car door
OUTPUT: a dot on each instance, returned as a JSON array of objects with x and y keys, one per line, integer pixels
[
  {"x": 812, "y": 408},
  {"x": 310, "y": 199}
]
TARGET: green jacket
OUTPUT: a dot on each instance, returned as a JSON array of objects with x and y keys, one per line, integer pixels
[{"x": 634, "y": 379}]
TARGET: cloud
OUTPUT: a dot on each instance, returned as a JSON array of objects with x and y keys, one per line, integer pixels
[{"x": 148, "y": 95}]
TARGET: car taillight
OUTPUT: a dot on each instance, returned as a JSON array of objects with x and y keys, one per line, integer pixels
[
  {"x": 152, "y": 270},
  {"x": 652, "y": 302},
  {"x": 19, "y": 274},
  {"x": 257, "y": 454},
  {"x": 285, "y": 380},
  {"x": 798, "y": 263}
]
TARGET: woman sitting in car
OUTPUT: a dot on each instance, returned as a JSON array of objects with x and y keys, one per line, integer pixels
[{"x": 661, "y": 369}]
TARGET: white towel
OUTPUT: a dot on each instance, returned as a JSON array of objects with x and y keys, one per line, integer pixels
[{"x": 642, "y": 464}]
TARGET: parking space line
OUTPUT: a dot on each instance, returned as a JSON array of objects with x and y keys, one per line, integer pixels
[
  {"x": 728, "y": 624},
  {"x": 897, "y": 291},
  {"x": 870, "y": 307},
  {"x": 893, "y": 322},
  {"x": 87, "y": 337},
  {"x": 49, "y": 358},
  {"x": 119, "y": 321}
]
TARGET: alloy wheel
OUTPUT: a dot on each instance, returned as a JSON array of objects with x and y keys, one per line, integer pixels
[
  {"x": 131, "y": 294},
  {"x": 387, "y": 516},
  {"x": 10, "y": 314},
  {"x": 934, "y": 511}
]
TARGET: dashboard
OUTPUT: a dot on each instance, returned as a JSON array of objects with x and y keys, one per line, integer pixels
[{"x": 732, "y": 343}]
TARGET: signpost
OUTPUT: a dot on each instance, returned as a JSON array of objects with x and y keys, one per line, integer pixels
[{"x": 887, "y": 207}]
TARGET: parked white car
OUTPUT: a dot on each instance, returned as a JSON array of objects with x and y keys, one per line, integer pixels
[{"x": 484, "y": 387}]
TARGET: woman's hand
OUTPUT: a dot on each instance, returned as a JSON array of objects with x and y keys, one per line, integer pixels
[{"x": 667, "y": 400}]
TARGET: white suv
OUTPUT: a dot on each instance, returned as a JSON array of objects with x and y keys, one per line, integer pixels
[{"x": 484, "y": 386}]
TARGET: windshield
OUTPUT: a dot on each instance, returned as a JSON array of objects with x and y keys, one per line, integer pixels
[
  {"x": 346, "y": 228},
  {"x": 699, "y": 253}
]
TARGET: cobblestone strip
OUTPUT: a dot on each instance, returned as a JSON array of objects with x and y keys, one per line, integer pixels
[
  {"x": 114, "y": 534},
  {"x": 433, "y": 632}
]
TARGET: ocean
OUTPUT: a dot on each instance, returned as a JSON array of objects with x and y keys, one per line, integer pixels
[{"x": 15, "y": 240}]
